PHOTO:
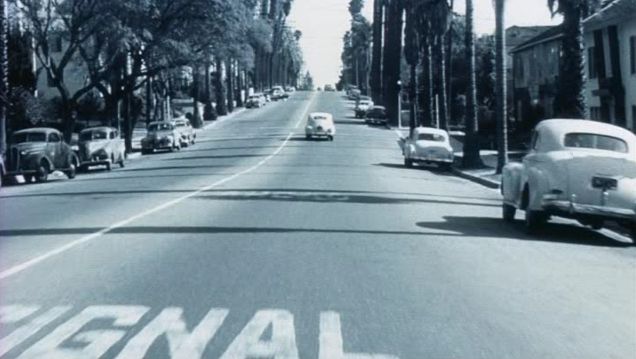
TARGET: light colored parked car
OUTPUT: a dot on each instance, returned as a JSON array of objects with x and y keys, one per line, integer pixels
[
  {"x": 363, "y": 104},
  {"x": 427, "y": 145},
  {"x": 101, "y": 146},
  {"x": 162, "y": 135},
  {"x": 320, "y": 124},
  {"x": 187, "y": 134},
  {"x": 36, "y": 152},
  {"x": 584, "y": 170},
  {"x": 256, "y": 101}
]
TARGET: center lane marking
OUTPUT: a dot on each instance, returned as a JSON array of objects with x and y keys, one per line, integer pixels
[{"x": 66, "y": 247}]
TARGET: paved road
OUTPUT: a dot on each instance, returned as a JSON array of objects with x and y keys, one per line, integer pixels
[{"x": 256, "y": 243}]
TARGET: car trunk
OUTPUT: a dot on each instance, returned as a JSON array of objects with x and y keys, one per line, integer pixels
[
  {"x": 431, "y": 149},
  {"x": 321, "y": 125},
  {"x": 592, "y": 175}
]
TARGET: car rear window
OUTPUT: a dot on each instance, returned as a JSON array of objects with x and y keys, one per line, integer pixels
[
  {"x": 160, "y": 127},
  {"x": 377, "y": 113},
  {"x": 595, "y": 141},
  {"x": 93, "y": 135},
  {"x": 431, "y": 137},
  {"x": 29, "y": 137}
]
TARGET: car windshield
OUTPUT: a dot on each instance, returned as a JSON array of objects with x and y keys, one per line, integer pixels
[
  {"x": 377, "y": 113},
  {"x": 29, "y": 137},
  {"x": 595, "y": 141},
  {"x": 93, "y": 135},
  {"x": 160, "y": 127}
]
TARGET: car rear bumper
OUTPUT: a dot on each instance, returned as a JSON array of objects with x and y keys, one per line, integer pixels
[
  {"x": 432, "y": 159},
  {"x": 577, "y": 209}
]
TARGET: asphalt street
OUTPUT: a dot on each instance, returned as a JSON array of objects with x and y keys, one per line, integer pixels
[{"x": 257, "y": 243}]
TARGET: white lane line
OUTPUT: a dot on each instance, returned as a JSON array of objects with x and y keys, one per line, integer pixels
[{"x": 59, "y": 250}]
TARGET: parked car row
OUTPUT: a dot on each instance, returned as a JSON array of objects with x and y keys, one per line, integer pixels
[{"x": 276, "y": 93}]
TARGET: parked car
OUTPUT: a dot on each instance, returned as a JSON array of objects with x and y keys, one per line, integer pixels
[
  {"x": 290, "y": 89},
  {"x": 584, "y": 170},
  {"x": 320, "y": 124},
  {"x": 376, "y": 115},
  {"x": 362, "y": 106},
  {"x": 354, "y": 94},
  {"x": 35, "y": 153},
  {"x": 330, "y": 88},
  {"x": 161, "y": 135},
  {"x": 255, "y": 101},
  {"x": 427, "y": 145},
  {"x": 187, "y": 134},
  {"x": 101, "y": 146},
  {"x": 278, "y": 93}
]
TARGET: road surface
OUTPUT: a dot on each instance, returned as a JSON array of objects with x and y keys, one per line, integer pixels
[{"x": 257, "y": 243}]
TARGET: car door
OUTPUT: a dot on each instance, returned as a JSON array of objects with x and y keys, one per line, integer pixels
[{"x": 54, "y": 149}]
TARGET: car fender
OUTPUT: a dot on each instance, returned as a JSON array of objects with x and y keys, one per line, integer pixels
[
  {"x": 511, "y": 188},
  {"x": 537, "y": 183}
]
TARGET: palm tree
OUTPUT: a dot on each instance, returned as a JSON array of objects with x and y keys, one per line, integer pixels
[
  {"x": 411, "y": 53},
  {"x": 4, "y": 79},
  {"x": 471, "y": 157},
  {"x": 424, "y": 36},
  {"x": 570, "y": 99},
  {"x": 440, "y": 24},
  {"x": 392, "y": 60},
  {"x": 376, "y": 61},
  {"x": 500, "y": 91}
]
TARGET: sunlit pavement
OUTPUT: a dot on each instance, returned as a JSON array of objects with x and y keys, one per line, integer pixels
[{"x": 257, "y": 243}]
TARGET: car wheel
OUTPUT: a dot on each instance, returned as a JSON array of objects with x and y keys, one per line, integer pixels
[
  {"x": 308, "y": 137},
  {"x": 534, "y": 221},
  {"x": 121, "y": 162},
  {"x": 109, "y": 165},
  {"x": 330, "y": 138},
  {"x": 509, "y": 212},
  {"x": 633, "y": 234},
  {"x": 28, "y": 178},
  {"x": 71, "y": 172},
  {"x": 43, "y": 172},
  {"x": 408, "y": 163},
  {"x": 445, "y": 167}
]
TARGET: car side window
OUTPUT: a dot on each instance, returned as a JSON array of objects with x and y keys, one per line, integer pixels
[
  {"x": 112, "y": 135},
  {"x": 54, "y": 137}
]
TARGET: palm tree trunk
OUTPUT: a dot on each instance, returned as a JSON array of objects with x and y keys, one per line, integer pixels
[
  {"x": 440, "y": 59},
  {"x": 376, "y": 61},
  {"x": 570, "y": 100},
  {"x": 500, "y": 71},
  {"x": 229, "y": 68},
  {"x": 392, "y": 61},
  {"x": 426, "y": 83},
  {"x": 4, "y": 72},
  {"x": 471, "y": 157},
  {"x": 221, "y": 104}
]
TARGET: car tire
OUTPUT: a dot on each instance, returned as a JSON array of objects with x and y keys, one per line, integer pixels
[
  {"x": 121, "y": 162},
  {"x": 43, "y": 172},
  {"x": 109, "y": 165},
  {"x": 508, "y": 212},
  {"x": 71, "y": 172},
  {"x": 534, "y": 221},
  {"x": 446, "y": 167},
  {"x": 308, "y": 137},
  {"x": 330, "y": 138},
  {"x": 28, "y": 178},
  {"x": 408, "y": 163},
  {"x": 633, "y": 232}
]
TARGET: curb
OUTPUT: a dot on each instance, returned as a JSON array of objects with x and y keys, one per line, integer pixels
[{"x": 479, "y": 180}]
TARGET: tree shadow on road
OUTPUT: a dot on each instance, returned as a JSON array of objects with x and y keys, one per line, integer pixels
[{"x": 496, "y": 228}]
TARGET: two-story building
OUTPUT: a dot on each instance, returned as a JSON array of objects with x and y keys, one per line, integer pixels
[
  {"x": 610, "y": 44},
  {"x": 535, "y": 75}
]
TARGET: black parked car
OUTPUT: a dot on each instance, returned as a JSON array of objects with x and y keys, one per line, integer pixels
[
  {"x": 376, "y": 115},
  {"x": 36, "y": 152}
]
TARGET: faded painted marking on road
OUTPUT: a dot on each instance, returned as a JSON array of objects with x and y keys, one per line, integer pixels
[
  {"x": 66, "y": 247},
  {"x": 94, "y": 331}
]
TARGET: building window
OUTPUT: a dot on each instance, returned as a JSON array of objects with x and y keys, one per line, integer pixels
[
  {"x": 591, "y": 62},
  {"x": 632, "y": 54}
]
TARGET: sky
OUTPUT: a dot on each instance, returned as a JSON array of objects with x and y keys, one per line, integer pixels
[{"x": 324, "y": 23}]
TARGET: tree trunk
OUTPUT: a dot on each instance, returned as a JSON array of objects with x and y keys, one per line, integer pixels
[
  {"x": 392, "y": 61},
  {"x": 229, "y": 68},
  {"x": 426, "y": 84},
  {"x": 500, "y": 91},
  {"x": 221, "y": 104},
  {"x": 440, "y": 60},
  {"x": 471, "y": 157},
  {"x": 376, "y": 61},
  {"x": 413, "y": 98},
  {"x": 196, "y": 115},
  {"x": 4, "y": 73},
  {"x": 570, "y": 99}
]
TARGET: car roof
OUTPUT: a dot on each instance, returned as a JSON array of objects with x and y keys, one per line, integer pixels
[
  {"x": 172, "y": 122},
  {"x": 320, "y": 114},
  {"x": 101, "y": 128},
  {"x": 37, "y": 129},
  {"x": 555, "y": 129},
  {"x": 431, "y": 130}
]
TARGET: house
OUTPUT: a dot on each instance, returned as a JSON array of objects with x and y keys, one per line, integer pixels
[
  {"x": 535, "y": 75},
  {"x": 610, "y": 47}
]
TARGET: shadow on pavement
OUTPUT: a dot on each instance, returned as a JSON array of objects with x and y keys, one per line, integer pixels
[
  {"x": 430, "y": 168},
  {"x": 497, "y": 228}
]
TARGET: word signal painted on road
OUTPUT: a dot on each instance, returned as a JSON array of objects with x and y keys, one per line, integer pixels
[{"x": 183, "y": 343}]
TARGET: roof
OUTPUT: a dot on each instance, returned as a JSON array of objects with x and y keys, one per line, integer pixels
[
  {"x": 37, "y": 129},
  {"x": 551, "y": 34},
  {"x": 320, "y": 114},
  {"x": 103, "y": 128},
  {"x": 433, "y": 130},
  {"x": 558, "y": 128},
  {"x": 516, "y": 35},
  {"x": 614, "y": 12}
]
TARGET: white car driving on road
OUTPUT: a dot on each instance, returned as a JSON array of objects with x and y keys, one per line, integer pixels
[
  {"x": 320, "y": 124},
  {"x": 584, "y": 170},
  {"x": 427, "y": 145}
]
